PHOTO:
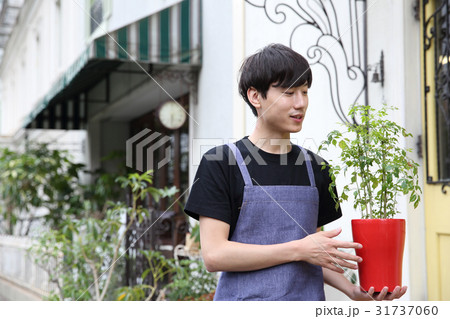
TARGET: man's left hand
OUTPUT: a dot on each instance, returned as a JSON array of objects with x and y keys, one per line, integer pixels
[{"x": 361, "y": 295}]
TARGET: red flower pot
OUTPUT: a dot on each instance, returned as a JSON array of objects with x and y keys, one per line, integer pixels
[{"x": 383, "y": 241}]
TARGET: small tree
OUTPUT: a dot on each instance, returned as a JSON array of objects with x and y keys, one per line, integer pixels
[
  {"x": 38, "y": 178},
  {"x": 378, "y": 166},
  {"x": 92, "y": 248}
]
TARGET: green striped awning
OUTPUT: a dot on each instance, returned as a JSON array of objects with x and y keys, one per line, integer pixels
[{"x": 171, "y": 36}]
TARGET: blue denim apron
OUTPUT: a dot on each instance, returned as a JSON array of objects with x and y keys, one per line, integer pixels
[{"x": 272, "y": 215}]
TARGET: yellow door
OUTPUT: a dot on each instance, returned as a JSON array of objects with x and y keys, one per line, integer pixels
[{"x": 435, "y": 19}]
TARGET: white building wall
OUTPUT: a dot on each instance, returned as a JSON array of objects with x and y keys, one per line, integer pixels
[
  {"x": 216, "y": 78},
  {"x": 412, "y": 119},
  {"x": 45, "y": 42},
  {"x": 393, "y": 29},
  {"x": 218, "y": 117}
]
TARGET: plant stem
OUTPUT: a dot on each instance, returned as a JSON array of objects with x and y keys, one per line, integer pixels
[
  {"x": 368, "y": 184},
  {"x": 383, "y": 185},
  {"x": 119, "y": 243},
  {"x": 94, "y": 272},
  {"x": 152, "y": 292},
  {"x": 9, "y": 212},
  {"x": 49, "y": 272},
  {"x": 361, "y": 168}
]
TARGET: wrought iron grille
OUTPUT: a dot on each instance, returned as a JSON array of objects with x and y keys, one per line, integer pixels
[
  {"x": 166, "y": 226},
  {"x": 436, "y": 42},
  {"x": 162, "y": 231},
  {"x": 336, "y": 41}
]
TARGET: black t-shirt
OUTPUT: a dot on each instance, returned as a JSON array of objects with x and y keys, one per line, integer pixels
[{"x": 218, "y": 187}]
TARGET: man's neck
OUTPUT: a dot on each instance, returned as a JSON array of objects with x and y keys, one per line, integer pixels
[{"x": 270, "y": 143}]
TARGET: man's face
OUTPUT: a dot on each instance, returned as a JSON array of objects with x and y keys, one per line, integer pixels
[{"x": 283, "y": 110}]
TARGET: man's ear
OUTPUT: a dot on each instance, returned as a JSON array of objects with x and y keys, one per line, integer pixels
[{"x": 254, "y": 97}]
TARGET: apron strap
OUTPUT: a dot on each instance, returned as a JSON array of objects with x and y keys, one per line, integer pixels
[
  {"x": 246, "y": 175},
  {"x": 241, "y": 164},
  {"x": 309, "y": 167}
]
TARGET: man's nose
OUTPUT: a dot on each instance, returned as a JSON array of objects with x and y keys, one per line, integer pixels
[{"x": 300, "y": 100}]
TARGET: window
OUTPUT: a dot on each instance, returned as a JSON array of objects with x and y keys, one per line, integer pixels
[
  {"x": 96, "y": 11},
  {"x": 443, "y": 91},
  {"x": 437, "y": 45}
]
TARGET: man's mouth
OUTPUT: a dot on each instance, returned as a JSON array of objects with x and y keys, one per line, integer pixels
[{"x": 297, "y": 117}]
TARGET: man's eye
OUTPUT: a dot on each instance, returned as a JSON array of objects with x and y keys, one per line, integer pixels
[
  {"x": 288, "y": 93},
  {"x": 305, "y": 92}
]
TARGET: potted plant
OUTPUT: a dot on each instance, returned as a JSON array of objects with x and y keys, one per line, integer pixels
[{"x": 379, "y": 171}]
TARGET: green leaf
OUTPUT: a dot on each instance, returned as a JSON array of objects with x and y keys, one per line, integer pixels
[{"x": 145, "y": 273}]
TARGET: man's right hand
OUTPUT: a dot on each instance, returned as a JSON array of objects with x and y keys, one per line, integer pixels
[{"x": 321, "y": 249}]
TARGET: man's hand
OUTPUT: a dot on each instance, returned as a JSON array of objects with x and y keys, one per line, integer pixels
[
  {"x": 321, "y": 249},
  {"x": 361, "y": 295}
]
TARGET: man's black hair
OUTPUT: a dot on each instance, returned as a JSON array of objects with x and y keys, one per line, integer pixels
[{"x": 276, "y": 65}]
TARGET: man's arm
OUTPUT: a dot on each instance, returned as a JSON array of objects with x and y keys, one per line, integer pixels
[{"x": 220, "y": 254}]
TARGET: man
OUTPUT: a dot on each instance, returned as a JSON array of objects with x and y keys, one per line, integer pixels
[{"x": 262, "y": 201}]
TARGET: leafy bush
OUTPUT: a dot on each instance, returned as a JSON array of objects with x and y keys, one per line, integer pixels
[
  {"x": 379, "y": 167},
  {"x": 191, "y": 282},
  {"x": 38, "y": 178},
  {"x": 83, "y": 255}
]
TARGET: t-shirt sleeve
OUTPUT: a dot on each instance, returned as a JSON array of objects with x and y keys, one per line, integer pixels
[
  {"x": 327, "y": 205},
  {"x": 210, "y": 192}
]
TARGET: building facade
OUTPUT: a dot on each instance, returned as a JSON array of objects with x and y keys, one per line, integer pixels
[{"x": 104, "y": 68}]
